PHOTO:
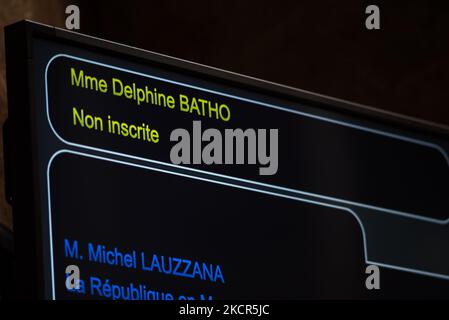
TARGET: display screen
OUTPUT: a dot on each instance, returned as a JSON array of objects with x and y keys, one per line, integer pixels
[{"x": 159, "y": 184}]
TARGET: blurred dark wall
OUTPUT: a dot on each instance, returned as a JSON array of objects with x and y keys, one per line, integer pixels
[{"x": 321, "y": 46}]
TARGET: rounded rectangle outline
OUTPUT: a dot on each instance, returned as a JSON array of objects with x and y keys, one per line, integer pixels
[
  {"x": 264, "y": 104},
  {"x": 204, "y": 179}
]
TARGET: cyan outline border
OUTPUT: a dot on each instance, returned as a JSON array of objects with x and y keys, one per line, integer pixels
[
  {"x": 343, "y": 123},
  {"x": 323, "y": 204}
]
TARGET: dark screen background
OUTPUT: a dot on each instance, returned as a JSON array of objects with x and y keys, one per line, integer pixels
[{"x": 271, "y": 251}]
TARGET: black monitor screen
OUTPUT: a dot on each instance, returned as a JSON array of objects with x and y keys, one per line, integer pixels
[{"x": 165, "y": 180}]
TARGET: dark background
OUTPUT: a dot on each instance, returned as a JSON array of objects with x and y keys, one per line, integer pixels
[{"x": 321, "y": 46}]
